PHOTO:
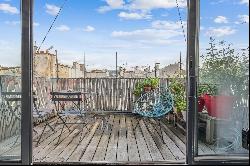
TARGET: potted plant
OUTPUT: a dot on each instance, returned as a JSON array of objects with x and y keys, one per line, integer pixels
[
  {"x": 205, "y": 90},
  {"x": 224, "y": 69},
  {"x": 146, "y": 85},
  {"x": 178, "y": 90}
]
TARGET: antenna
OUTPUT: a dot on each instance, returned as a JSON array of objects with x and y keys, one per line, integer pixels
[
  {"x": 57, "y": 68},
  {"x": 84, "y": 62},
  {"x": 180, "y": 64},
  {"x": 116, "y": 64}
]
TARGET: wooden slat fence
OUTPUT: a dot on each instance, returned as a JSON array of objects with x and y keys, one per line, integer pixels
[{"x": 106, "y": 94}]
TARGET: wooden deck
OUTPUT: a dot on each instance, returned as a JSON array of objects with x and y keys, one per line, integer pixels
[{"x": 109, "y": 140}]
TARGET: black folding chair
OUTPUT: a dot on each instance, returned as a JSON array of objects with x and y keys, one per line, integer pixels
[{"x": 59, "y": 99}]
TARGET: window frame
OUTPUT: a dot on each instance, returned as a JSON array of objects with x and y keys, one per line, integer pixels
[{"x": 27, "y": 7}]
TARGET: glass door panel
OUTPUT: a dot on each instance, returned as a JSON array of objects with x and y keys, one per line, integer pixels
[
  {"x": 223, "y": 91},
  {"x": 10, "y": 80}
]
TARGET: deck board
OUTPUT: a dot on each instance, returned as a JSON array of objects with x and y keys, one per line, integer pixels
[
  {"x": 112, "y": 146},
  {"x": 91, "y": 149},
  {"x": 122, "y": 149},
  {"x": 153, "y": 149},
  {"x": 102, "y": 147},
  {"x": 70, "y": 148},
  {"x": 163, "y": 148},
  {"x": 133, "y": 152},
  {"x": 141, "y": 143},
  {"x": 42, "y": 153},
  {"x": 79, "y": 151}
]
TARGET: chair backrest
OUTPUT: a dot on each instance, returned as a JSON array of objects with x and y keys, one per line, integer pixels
[
  {"x": 66, "y": 96},
  {"x": 156, "y": 103}
]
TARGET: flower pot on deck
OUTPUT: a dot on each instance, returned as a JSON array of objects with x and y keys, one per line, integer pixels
[
  {"x": 147, "y": 88},
  {"x": 201, "y": 103},
  {"x": 219, "y": 106}
]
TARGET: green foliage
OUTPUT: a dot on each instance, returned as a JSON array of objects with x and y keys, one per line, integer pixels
[
  {"x": 207, "y": 89},
  {"x": 177, "y": 88},
  {"x": 139, "y": 87},
  {"x": 227, "y": 69}
]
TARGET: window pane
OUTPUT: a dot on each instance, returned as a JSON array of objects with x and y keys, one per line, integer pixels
[
  {"x": 223, "y": 91},
  {"x": 10, "y": 80}
]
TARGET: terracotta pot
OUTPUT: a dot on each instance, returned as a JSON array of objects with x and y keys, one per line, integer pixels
[
  {"x": 147, "y": 88},
  {"x": 219, "y": 106},
  {"x": 201, "y": 103}
]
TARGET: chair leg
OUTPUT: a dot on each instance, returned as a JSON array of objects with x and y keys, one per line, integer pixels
[
  {"x": 161, "y": 131},
  {"x": 64, "y": 123},
  {"x": 60, "y": 135},
  {"x": 39, "y": 139}
]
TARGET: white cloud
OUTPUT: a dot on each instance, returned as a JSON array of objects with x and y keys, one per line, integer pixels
[
  {"x": 160, "y": 32},
  {"x": 134, "y": 16},
  {"x": 146, "y": 34},
  {"x": 244, "y": 2},
  {"x": 36, "y": 24},
  {"x": 156, "y": 4},
  {"x": 13, "y": 23},
  {"x": 168, "y": 25},
  {"x": 52, "y": 9},
  {"x": 115, "y": 3},
  {"x": 143, "y": 5},
  {"x": 63, "y": 28},
  {"x": 220, "y": 32},
  {"x": 215, "y": 2},
  {"x": 7, "y": 8},
  {"x": 221, "y": 19},
  {"x": 111, "y": 4},
  {"x": 89, "y": 29},
  {"x": 243, "y": 19}
]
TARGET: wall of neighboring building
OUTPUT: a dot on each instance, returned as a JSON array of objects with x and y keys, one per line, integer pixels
[
  {"x": 171, "y": 70},
  {"x": 44, "y": 65},
  {"x": 77, "y": 70},
  {"x": 97, "y": 74},
  {"x": 11, "y": 71}
]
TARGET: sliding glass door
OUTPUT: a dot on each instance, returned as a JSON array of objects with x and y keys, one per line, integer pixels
[
  {"x": 223, "y": 90},
  {"x": 219, "y": 81},
  {"x": 15, "y": 78},
  {"x": 10, "y": 80}
]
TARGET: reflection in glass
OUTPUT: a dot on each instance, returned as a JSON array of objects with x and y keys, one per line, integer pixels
[
  {"x": 223, "y": 100},
  {"x": 10, "y": 81}
]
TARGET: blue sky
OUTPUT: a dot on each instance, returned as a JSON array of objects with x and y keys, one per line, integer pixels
[{"x": 141, "y": 31}]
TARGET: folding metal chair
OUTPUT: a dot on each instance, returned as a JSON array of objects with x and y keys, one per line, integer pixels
[{"x": 59, "y": 99}]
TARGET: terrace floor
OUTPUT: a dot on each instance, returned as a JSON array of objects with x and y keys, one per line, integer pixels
[{"x": 113, "y": 138}]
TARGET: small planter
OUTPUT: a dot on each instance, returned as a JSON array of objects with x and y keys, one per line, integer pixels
[
  {"x": 147, "y": 88},
  {"x": 219, "y": 106},
  {"x": 201, "y": 103}
]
